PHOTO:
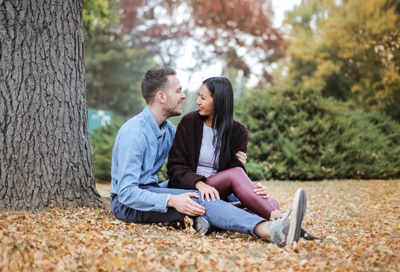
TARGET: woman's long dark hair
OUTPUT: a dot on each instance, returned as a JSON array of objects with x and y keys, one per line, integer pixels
[{"x": 222, "y": 92}]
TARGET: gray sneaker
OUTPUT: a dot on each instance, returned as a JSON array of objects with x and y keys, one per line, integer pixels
[
  {"x": 201, "y": 225},
  {"x": 286, "y": 230}
]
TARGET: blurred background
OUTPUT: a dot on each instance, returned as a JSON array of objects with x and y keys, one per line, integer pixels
[{"x": 317, "y": 83}]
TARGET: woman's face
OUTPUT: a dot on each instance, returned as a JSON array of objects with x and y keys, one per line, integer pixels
[{"x": 205, "y": 102}]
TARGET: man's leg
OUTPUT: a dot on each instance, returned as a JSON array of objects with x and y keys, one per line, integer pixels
[
  {"x": 127, "y": 214},
  {"x": 219, "y": 213},
  {"x": 224, "y": 215}
]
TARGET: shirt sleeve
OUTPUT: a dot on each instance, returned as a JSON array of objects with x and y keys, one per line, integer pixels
[{"x": 131, "y": 152}]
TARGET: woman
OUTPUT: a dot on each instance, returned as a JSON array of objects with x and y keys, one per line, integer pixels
[{"x": 203, "y": 156}]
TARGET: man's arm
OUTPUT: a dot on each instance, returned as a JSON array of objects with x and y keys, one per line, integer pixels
[
  {"x": 242, "y": 157},
  {"x": 130, "y": 156}
]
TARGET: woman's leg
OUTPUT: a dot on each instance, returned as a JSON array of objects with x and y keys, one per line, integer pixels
[{"x": 235, "y": 180}]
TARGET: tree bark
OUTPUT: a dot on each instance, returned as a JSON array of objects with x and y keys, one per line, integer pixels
[{"x": 45, "y": 157}]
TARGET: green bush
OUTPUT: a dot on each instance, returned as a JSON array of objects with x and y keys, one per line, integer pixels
[
  {"x": 101, "y": 144},
  {"x": 297, "y": 135}
]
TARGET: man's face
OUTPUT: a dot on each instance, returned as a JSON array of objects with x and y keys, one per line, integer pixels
[{"x": 174, "y": 97}]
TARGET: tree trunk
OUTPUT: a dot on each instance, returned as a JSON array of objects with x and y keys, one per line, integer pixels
[{"x": 45, "y": 157}]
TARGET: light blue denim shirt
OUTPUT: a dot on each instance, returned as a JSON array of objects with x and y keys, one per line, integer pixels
[{"x": 140, "y": 149}]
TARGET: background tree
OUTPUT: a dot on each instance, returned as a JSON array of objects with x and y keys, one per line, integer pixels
[
  {"x": 241, "y": 32},
  {"x": 45, "y": 156},
  {"x": 238, "y": 32},
  {"x": 349, "y": 50},
  {"x": 97, "y": 13},
  {"x": 113, "y": 68},
  {"x": 294, "y": 132},
  {"x": 114, "y": 72}
]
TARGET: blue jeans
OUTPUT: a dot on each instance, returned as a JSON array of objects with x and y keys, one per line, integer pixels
[{"x": 219, "y": 213}]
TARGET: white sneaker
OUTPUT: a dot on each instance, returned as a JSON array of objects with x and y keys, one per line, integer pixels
[
  {"x": 286, "y": 230},
  {"x": 299, "y": 207}
]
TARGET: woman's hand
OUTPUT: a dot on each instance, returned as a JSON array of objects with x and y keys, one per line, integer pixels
[
  {"x": 207, "y": 191},
  {"x": 262, "y": 190},
  {"x": 242, "y": 157}
]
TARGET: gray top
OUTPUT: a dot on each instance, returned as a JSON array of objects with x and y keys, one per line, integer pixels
[{"x": 206, "y": 157}]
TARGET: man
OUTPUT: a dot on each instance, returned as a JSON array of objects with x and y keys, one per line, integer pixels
[{"x": 141, "y": 148}]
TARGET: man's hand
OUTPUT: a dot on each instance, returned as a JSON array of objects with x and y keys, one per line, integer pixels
[
  {"x": 242, "y": 157},
  {"x": 184, "y": 204},
  {"x": 207, "y": 191},
  {"x": 262, "y": 190}
]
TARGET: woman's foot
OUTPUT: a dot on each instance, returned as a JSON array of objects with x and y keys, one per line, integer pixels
[{"x": 286, "y": 230}]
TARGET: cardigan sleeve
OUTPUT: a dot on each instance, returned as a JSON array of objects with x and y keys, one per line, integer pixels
[
  {"x": 180, "y": 167},
  {"x": 240, "y": 139}
]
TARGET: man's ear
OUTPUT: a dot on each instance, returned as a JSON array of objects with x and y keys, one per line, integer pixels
[{"x": 161, "y": 97}]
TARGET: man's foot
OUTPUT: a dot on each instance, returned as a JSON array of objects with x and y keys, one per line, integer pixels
[
  {"x": 201, "y": 225},
  {"x": 286, "y": 230}
]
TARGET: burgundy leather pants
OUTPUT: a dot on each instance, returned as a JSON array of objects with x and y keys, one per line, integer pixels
[{"x": 235, "y": 181}]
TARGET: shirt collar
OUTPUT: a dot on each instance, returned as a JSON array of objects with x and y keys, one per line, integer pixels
[{"x": 151, "y": 121}]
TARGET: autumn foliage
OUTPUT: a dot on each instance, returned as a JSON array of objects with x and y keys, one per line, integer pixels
[
  {"x": 349, "y": 50},
  {"x": 358, "y": 221}
]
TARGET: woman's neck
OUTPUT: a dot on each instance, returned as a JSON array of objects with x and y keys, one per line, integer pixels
[{"x": 208, "y": 122}]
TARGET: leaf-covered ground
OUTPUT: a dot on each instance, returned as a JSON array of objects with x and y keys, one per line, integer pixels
[{"x": 358, "y": 220}]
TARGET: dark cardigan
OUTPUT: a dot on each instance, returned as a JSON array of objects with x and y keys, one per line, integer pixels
[{"x": 184, "y": 155}]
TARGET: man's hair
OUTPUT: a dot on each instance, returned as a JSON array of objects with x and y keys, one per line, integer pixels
[{"x": 155, "y": 80}]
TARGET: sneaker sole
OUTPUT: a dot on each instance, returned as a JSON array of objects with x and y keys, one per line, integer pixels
[
  {"x": 298, "y": 210},
  {"x": 201, "y": 225}
]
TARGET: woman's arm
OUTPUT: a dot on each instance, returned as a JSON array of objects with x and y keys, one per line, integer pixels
[
  {"x": 181, "y": 166},
  {"x": 239, "y": 142}
]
